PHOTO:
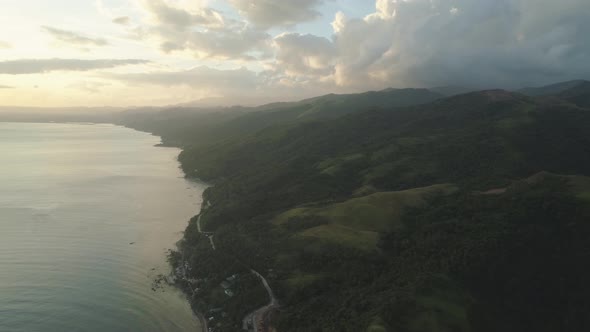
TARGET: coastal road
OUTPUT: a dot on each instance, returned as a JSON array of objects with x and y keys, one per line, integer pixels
[
  {"x": 271, "y": 295},
  {"x": 208, "y": 234},
  {"x": 258, "y": 317},
  {"x": 199, "y": 224},
  {"x": 212, "y": 242}
]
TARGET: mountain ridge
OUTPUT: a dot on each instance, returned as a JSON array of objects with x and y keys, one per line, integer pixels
[{"x": 340, "y": 215}]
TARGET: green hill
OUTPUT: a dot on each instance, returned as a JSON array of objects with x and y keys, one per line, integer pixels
[
  {"x": 552, "y": 89},
  {"x": 345, "y": 214},
  {"x": 358, "y": 221},
  {"x": 578, "y": 95},
  {"x": 203, "y": 126}
]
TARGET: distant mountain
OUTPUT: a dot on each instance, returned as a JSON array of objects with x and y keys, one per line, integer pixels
[
  {"x": 338, "y": 105},
  {"x": 450, "y": 215},
  {"x": 552, "y": 89},
  {"x": 578, "y": 94},
  {"x": 450, "y": 91},
  {"x": 230, "y": 101},
  {"x": 496, "y": 117},
  {"x": 220, "y": 123},
  {"x": 179, "y": 125}
]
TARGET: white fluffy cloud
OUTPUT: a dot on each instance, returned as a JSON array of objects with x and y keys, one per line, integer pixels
[
  {"x": 203, "y": 32},
  {"x": 181, "y": 18},
  {"x": 271, "y": 13},
  {"x": 506, "y": 43},
  {"x": 484, "y": 43},
  {"x": 304, "y": 54},
  {"x": 397, "y": 43},
  {"x": 235, "y": 43}
]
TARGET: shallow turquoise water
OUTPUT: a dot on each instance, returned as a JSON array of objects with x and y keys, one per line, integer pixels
[{"x": 72, "y": 199}]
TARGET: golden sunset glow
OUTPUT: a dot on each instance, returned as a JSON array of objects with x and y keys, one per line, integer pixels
[{"x": 166, "y": 52}]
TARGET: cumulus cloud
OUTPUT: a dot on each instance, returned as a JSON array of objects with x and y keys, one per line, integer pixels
[
  {"x": 304, "y": 54},
  {"x": 122, "y": 20},
  {"x": 239, "y": 43},
  {"x": 74, "y": 38},
  {"x": 37, "y": 66},
  {"x": 202, "y": 31},
  {"x": 402, "y": 43},
  {"x": 180, "y": 18},
  {"x": 273, "y": 13},
  {"x": 486, "y": 43}
]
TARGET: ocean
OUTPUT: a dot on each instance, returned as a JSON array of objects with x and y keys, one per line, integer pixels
[{"x": 87, "y": 215}]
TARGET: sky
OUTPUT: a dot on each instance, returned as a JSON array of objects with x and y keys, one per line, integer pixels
[{"x": 165, "y": 52}]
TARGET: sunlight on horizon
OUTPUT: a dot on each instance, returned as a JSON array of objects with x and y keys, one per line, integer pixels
[{"x": 168, "y": 52}]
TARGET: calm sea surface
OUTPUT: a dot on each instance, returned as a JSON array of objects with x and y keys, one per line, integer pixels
[{"x": 87, "y": 213}]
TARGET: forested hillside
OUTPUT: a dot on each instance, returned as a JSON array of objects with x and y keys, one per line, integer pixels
[
  {"x": 468, "y": 213},
  {"x": 204, "y": 126}
]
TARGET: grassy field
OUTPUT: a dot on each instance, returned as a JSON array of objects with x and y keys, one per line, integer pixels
[
  {"x": 581, "y": 185},
  {"x": 363, "y": 240},
  {"x": 359, "y": 221},
  {"x": 378, "y": 212}
]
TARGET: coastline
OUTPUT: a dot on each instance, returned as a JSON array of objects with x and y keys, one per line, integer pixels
[
  {"x": 163, "y": 144},
  {"x": 177, "y": 279},
  {"x": 129, "y": 236},
  {"x": 189, "y": 295},
  {"x": 200, "y": 315},
  {"x": 258, "y": 316},
  {"x": 203, "y": 320}
]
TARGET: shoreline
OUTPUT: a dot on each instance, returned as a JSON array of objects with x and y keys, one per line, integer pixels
[
  {"x": 201, "y": 317},
  {"x": 260, "y": 314},
  {"x": 163, "y": 144},
  {"x": 139, "y": 246},
  {"x": 204, "y": 205},
  {"x": 203, "y": 320}
]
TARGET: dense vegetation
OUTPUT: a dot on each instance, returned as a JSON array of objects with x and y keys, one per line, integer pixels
[
  {"x": 468, "y": 213},
  {"x": 204, "y": 126}
]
